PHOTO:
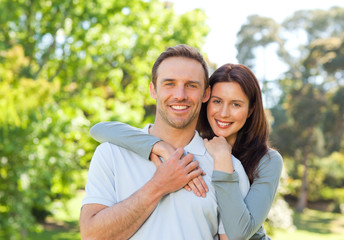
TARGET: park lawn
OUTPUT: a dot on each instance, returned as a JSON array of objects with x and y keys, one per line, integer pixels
[
  {"x": 310, "y": 225},
  {"x": 314, "y": 225},
  {"x": 64, "y": 224}
]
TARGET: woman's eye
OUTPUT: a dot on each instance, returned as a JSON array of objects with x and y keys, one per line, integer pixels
[
  {"x": 236, "y": 105},
  {"x": 216, "y": 101}
]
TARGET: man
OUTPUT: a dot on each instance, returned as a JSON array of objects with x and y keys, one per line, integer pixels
[{"x": 131, "y": 198}]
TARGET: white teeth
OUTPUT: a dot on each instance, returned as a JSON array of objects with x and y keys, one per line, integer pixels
[
  {"x": 179, "y": 107},
  {"x": 223, "y": 124}
]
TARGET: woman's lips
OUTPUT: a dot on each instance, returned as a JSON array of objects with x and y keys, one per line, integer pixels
[{"x": 222, "y": 124}]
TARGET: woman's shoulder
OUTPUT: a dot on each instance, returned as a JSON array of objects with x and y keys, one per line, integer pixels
[
  {"x": 270, "y": 166},
  {"x": 272, "y": 158}
]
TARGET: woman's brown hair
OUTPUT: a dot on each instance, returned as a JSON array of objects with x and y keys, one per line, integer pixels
[{"x": 251, "y": 143}]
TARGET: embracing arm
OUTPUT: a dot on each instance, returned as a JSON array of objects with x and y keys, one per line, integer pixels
[
  {"x": 242, "y": 218},
  {"x": 120, "y": 220},
  {"x": 125, "y": 136}
]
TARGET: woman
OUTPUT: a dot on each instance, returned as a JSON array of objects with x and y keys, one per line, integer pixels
[{"x": 234, "y": 121}]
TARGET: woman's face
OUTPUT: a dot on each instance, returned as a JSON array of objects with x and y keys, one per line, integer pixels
[{"x": 227, "y": 110}]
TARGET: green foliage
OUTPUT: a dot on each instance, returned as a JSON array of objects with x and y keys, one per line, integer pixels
[
  {"x": 40, "y": 150},
  {"x": 258, "y": 32},
  {"x": 308, "y": 122},
  {"x": 65, "y": 65},
  {"x": 280, "y": 215}
]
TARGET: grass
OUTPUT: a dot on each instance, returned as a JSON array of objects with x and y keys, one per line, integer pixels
[
  {"x": 310, "y": 225},
  {"x": 64, "y": 225},
  {"x": 314, "y": 225}
]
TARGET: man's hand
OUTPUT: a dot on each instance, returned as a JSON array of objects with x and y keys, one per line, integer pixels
[
  {"x": 176, "y": 172},
  {"x": 165, "y": 150}
]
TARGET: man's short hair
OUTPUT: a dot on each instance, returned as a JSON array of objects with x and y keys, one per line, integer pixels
[{"x": 181, "y": 50}]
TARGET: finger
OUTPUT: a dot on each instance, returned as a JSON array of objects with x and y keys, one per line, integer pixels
[
  {"x": 195, "y": 173},
  {"x": 187, "y": 188},
  {"x": 194, "y": 188},
  {"x": 204, "y": 185},
  {"x": 199, "y": 186},
  {"x": 191, "y": 166},
  {"x": 187, "y": 159},
  {"x": 155, "y": 159},
  {"x": 177, "y": 154}
]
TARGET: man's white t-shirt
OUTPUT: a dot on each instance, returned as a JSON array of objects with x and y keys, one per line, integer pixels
[{"x": 116, "y": 173}]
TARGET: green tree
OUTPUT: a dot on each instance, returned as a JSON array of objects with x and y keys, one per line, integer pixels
[
  {"x": 308, "y": 121},
  {"x": 259, "y": 33},
  {"x": 65, "y": 65}
]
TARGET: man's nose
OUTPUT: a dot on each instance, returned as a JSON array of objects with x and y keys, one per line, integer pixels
[{"x": 180, "y": 93}]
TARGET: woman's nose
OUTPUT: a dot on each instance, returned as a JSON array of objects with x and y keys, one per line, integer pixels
[{"x": 224, "y": 111}]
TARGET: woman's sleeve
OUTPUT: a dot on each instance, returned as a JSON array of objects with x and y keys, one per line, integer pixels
[
  {"x": 125, "y": 136},
  {"x": 243, "y": 217}
]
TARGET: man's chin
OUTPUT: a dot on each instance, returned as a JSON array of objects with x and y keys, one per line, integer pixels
[{"x": 179, "y": 124}]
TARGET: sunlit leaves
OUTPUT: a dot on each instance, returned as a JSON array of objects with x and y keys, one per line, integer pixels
[{"x": 65, "y": 65}]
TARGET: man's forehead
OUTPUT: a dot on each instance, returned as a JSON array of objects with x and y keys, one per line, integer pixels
[{"x": 175, "y": 68}]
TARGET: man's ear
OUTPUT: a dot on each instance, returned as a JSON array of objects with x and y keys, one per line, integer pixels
[
  {"x": 206, "y": 95},
  {"x": 152, "y": 90}
]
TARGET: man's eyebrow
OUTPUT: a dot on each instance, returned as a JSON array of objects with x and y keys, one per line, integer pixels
[
  {"x": 194, "y": 82},
  {"x": 188, "y": 82},
  {"x": 167, "y": 80}
]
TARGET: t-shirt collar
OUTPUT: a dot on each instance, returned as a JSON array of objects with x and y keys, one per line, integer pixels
[{"x": 196, "y": 146}]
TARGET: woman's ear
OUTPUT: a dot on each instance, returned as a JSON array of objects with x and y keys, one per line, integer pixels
[
  {"x": 250, "y": 112},
  {"x": 152, "y": 90}
]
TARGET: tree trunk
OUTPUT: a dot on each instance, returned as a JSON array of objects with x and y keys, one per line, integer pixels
[{"x": 303, "y": 197}]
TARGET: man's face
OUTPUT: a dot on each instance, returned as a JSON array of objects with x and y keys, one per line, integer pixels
[{"x": 179, "y": 92}]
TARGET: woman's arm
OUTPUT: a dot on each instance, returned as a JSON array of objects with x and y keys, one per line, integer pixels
[
  {"x": 124, "y": 136},
  {"x": 145, "y": 145},
  {"x": 242, "y": 218}
]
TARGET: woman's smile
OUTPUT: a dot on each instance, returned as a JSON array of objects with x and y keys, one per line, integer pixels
[{"x": 227, "y": 110}]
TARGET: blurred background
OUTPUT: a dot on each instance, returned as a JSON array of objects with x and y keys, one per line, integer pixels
[{"x": 66, "y": 65}]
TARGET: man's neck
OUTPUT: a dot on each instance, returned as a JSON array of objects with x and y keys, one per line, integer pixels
[{"x": 174, "y": 136}]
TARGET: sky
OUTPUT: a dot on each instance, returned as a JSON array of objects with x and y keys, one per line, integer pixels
[{"x": 225, "y": 18}]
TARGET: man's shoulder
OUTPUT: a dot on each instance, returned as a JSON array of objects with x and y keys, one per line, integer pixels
[{"x": 109, "y": 147}]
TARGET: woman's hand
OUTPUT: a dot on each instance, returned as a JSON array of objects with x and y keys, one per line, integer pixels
[
  {"x": 198, "y": 186},
  {"x": 161, "y": 149},
  {"x": 221, "y": 151},
  {"x": 166, "y": 150}
]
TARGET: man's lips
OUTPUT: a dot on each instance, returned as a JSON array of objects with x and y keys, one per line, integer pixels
[
  {"x": 222, "y": 124},
  {"x": 179, "y": 108}
]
